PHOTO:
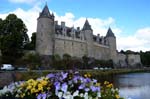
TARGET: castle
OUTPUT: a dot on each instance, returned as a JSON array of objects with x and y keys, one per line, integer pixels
[{"x": 53, "y": 38}]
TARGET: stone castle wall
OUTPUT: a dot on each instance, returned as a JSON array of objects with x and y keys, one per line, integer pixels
[
  {"x": 67, "y": 45},
  {"x": 101, "y": 52},
  {"x": 134, "y": 60},
  {"x": 78, "y": 48},
  {"x": 129, "y": 60}
]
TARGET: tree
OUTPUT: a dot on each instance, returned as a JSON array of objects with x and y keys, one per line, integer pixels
[
  {"x": 145, "y": 56},
  {"x": 31, "y": 45},
  {"x": 32, "y": 60},
  {"x": 13, "y": 38},
  {"x": 85, "y": 61}
]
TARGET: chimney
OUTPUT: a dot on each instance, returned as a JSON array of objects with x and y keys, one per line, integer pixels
[
  {"x": 78, "y": 28},
  {"x": 63, "y": 24},
  {"x": 56, "y": 22},
  {"x": 97, "y": 37}
]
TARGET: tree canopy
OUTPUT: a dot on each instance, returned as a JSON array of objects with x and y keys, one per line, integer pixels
[{"x": 13, "y": 36}]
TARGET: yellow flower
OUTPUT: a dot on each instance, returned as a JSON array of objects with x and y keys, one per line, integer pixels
[
  {"x": 85, "y": 75},
  {"x": 110, "y": 85},
  {"x": 33, "y": 90},
  {"x": 22, "y": 95},
  {"x": 89, "y": 75},
  {"x": 30, "y": 81},
  {"x": 106, "y": 82},
  {"x": 98, "y": 84},
  {"x": 40, "y": 87},
  {"x": 117, "y": 96},
  {"x": 44, "y": 83},
  {"x": 29, "y": 87},
  {"x": 48, "y": 88}
]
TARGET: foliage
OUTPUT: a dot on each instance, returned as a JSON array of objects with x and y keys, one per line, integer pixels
[
  {"x": 61, "y": 85},
  {"x": 128, "y": 52},
  {"x": 31, "y": 45},
  {"x": 145, "y": 56},
  {"x": 13, "y": 35},
  {"x": 68, "y": 62},
  {"x": 32, "y": 60}
]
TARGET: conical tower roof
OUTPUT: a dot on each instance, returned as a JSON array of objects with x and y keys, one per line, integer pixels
[
  {"x": 86, "y": 26},
  {"x": 110, "y": 33},
  {"x": 45, "y": 12}
]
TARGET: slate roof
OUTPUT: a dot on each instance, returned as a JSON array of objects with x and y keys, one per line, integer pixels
[
  {"x": 45, "y": 12},
  {"x": 110, "y": 33},
  {"x": 86, "y": 26}
]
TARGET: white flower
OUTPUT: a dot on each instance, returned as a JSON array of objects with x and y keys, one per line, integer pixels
[
  {"x": 81, "y": 94},
  {"x": 86, "y": 95},
  {"x": 76, "y": 93},
  {"x": 98, "y": 94},
  {"x": 67, "y": 95},
  {"x": 60, "y": 95}
]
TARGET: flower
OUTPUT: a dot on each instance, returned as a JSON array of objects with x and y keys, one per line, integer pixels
[
  {"x": 117, "y": 96},
  {"x": 62, "y": 85},
  {"x": 41, "y": 96}
]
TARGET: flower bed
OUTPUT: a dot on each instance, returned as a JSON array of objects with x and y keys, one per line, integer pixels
[{"x": 62, "y": 85}]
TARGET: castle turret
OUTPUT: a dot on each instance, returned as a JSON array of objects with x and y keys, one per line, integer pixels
[
  {"x": 45, "y": 33},
  {"x": 88, "y": 34},
  {"x": 111, "y": 40}
]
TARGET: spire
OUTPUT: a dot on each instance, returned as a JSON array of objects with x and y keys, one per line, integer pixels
[
  {"x": 86, "y": 26},
  {"x": 45, "y": 12},
  {"x": 110, "y": 33}
]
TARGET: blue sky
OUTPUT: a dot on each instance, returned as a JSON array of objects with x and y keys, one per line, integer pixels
[{"x": 129, "y": 19}]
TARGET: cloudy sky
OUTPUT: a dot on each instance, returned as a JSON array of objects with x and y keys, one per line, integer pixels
[{"x": 129, "y": 19}]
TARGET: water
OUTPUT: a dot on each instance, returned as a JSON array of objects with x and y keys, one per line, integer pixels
[{"x": 133, "y": 85}]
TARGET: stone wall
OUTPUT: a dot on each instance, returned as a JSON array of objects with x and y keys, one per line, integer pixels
[
  {"x": 66, "y": 45},
  {"x": 134, "y": 60},
  {"x": 129, "y": 60},
  {"x": 122, "y": 60},
  {"x": 78, "y": 48},
  {"x": 101, "y": 52}
]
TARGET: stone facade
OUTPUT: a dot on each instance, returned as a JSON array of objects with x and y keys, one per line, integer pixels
[
  {"x": 128, "y": 60},
  {"x": 53, "y": 38}
]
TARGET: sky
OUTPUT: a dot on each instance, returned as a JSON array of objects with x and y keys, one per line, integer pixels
[{"x": 128, "y": 19}]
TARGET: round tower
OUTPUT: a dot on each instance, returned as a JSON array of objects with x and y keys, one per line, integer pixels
[
  {"x": 45, "y": 33},
  {"x": 88, "y": 34},
  {"x": 111, "y": 40}
]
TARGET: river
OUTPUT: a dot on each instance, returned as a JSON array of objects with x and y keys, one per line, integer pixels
[{"x": 133, "y": 85}]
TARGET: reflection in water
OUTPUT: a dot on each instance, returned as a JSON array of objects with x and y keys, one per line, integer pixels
[{"x": 134, "y": 85}]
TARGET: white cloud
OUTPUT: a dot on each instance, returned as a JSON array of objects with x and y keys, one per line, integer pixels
[
  {"x": 98, "y": 25},
  {"x": 143, "y": 33},
  {"x": 29, "y": 17},
  {"x": 140, "y": 40},
  {"x": 22, "y": 1}
]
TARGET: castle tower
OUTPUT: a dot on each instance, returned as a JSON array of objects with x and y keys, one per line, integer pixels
[
  {"x": 45, "y": 33},
  {"x": 88, "y": 34},
  {"x": 111, "y": 39}
]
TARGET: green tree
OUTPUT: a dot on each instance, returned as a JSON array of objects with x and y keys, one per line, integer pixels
[
  {"x": 85, "y": 60},
  {"x": 13, "y": 38},
  {"x": 32, "y": 60},
  {"x": 31, "y": 45},
  {"x": 66, "y": 61},
  {"x": 145, "y": 56}
]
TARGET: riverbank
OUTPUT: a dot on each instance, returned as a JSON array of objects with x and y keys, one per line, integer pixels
[{"x": 7, "y": 77}]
